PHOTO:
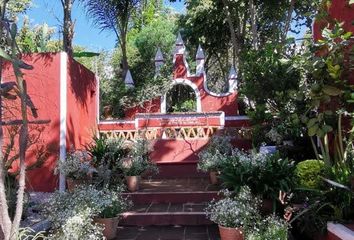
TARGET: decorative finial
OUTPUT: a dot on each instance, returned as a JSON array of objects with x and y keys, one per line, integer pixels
[
  {"x": 159, "y": 56},
  {"x": 129, "y": 80},
  {"x": 232, "y": 79},
  {"x": 200, "y": 53},
  {"x": 179, "y": 49},
  {"x": 200, "y": 58}
]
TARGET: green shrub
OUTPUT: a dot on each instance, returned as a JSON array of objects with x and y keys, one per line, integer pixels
[
  {"x": 265, "y": 174},
  {"x": 308, "y": 174}
]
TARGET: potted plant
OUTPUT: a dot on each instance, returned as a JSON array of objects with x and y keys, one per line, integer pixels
[
  {"x": 234, "y": 214},
  {"x": 110, "y": 214},
  {"x": 265, "y": 174},
  {"x": 137, "y": 163},
  {"x": 85, "y": 213},
  {"x": 270, "y": 227},
  {"x": 212, "y": 156},
  {"x": 77, "y": 168}
]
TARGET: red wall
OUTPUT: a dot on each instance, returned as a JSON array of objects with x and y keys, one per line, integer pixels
[
  {"x": 81, "y": 105},
  {"x": 43, "y": 88}
]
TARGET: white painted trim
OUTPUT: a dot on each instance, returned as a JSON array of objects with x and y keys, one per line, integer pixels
[
  {"x": 63, "y": 112},
  {"x": 222, "y": 123},
  {"x": 187, "y": 83},
  {"x": 340, "y": 231},
  {"x": 98, "y": 100},
  {"x": 236, "y": 118}
]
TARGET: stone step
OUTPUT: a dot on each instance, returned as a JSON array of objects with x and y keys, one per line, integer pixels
[
  {"x": 187, "y": 214},
  {"x": 174, "y": 191},
  {"x": 168, "y": 170}
]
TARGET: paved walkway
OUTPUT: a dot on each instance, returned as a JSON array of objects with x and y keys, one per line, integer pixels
[{"x": 168, "y": 233}]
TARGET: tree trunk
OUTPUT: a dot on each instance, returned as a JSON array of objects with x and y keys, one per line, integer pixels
[
  {"x": 125, "y": 65},
  {"x": 253, "y": 24},
  {"x": 68, "y": 27},
  {"x": 5, "y": 221},
  {"x": 288, "y": 20}
]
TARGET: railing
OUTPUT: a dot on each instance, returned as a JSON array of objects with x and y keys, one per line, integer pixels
[{"x": 179, "y": 133}]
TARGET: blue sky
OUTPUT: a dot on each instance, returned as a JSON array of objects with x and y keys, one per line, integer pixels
[{"x": 50, "y": 12}]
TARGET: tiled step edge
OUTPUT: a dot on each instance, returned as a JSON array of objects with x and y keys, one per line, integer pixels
[
  {"x": 339, "y": 231},
  {"x": 172, "y": 197},
  {"x": 164, "y": 219}
]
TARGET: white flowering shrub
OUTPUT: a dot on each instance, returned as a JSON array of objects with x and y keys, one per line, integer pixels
[
  {"x": 269, "y": 228},
  {"x": 234, "y": 211},
  {"x": 139, "y": 160},
  {"x": 212, "y": 156},
  {"x": 265, "y": 174},
  {"x": 72, "y": 213},
  {"x": 76, "y": 165}
]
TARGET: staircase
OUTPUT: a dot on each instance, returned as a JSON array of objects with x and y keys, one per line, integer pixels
[{"x": 177, "y": 196}]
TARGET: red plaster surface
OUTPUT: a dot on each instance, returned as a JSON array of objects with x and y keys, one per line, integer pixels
[
  {"x": 81, "y": 105},
  {"x": 44, "y": 89}
]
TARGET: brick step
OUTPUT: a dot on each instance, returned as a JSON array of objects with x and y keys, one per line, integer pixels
[
  {"x": 182, "y": 190},
  {"x": 169, "y": 170},
  {"x": 171, "y": 197},
  {"x": 166, "y": 214}
]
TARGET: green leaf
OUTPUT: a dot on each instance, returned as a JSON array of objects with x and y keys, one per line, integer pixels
[
  {"x": 312, "y": 130},
  {"x": 331, "y": 91},
  {"x": 13, "y": 31},
  {"x": 4, "y": 55},
  {"x": 327, "y": 128},
  {"x": 311, "y": 122},
  {"x": 320, "y": 133},
  {"x": 85, "y": 54}
]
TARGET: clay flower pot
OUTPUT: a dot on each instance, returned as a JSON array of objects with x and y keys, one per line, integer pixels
[
  {"x": 230, "y": 233},
  {"x": 213, "y": 177},
  {"x": 110, "y": 226},
  {"x": 133, "y": 183}
]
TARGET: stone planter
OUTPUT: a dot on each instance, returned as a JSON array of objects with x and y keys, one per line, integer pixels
[
  {"x": 230, "y": 233},
  {"x": 110, "y": 226},
  {"x": 213, "y": 177},
  {"x": 133, "y": 183}
]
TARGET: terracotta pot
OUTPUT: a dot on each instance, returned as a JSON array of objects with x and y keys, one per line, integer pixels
[
  {"x": 110, "y": 226},
  {"x": 267, "y": 206},
  {"x": 230, "y": 233},
  {"x": 213, "y": 177},
  {"x": 73, "y": 183},
  {"x": 133, "y": 183}
]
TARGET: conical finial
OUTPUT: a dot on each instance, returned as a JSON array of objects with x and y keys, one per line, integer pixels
[
  {"x": 200, "y": 53},
  {"x": 129, "y": 80},
  {"x": 232, "y": 79},
  {"x": 179, "y": 49},
  {"x": 200, "y": 59},
  {"x": 159, "y": 56},
  {"x": 179, "y": 40}
]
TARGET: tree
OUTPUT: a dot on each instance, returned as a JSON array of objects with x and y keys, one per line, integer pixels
[
  {"x": 113, "y": 15},
  {"x": 37, "y": 38},
  {"x": 13, "y": 90},
  {"x": 68, "y": 26}
]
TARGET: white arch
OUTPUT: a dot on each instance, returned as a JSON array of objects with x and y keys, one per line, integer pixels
[{"x": 187, "y": 83}]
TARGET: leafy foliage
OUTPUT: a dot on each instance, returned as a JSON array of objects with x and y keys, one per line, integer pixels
[
  {"x": 236, "y": 211},
  {"x": 309, "y": 173},
  {"x": 212, "y": 156},
  {"x": 265, "y": 174}
]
